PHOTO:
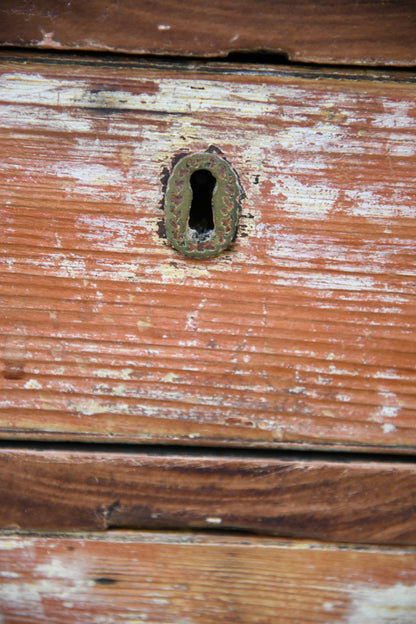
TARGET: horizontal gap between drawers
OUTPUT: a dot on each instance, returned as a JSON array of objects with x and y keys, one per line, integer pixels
[
  {"x": 247, "y": 63},
  {"x": 205, "y": 451}
]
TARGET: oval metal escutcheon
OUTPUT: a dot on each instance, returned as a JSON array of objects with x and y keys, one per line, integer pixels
[{"x": 202, "y": 205}]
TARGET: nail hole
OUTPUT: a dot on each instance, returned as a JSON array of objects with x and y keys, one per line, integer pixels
[
  {"x": 105, "y": 580},
  {"x": 201, "y": 217}
]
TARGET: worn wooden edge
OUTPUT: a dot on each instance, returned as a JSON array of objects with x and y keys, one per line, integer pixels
[
  {"x": 206, "y": 438},
  {"x": 172, "y": 578},
  {"x": 217, "y": 66},
  {"x": 325, "y": 32},
  {"x": 344, "y": 501}
]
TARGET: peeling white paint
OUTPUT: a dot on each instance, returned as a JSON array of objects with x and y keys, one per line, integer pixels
[
  {"x": 91, "y": 174},
  {"x": 56, "y": 569},
  {"x": 69, "y": 267},
  {"x": 12, "y": 544},
  {"x": 179, "y": 271},
  {"x": 398, "y": 114},
  {"x": 370, "y": 203},
  {"x": 124, "y": 373},
  {"x": 319, "y": 138},
  {"x": 37, "y": 89},
  {"x": 43, "y": 119},
  {"x": 388, "y": 373},
  {"x": 33, "y": 384},
  {"x": 107, "y": 232},
  {"x": 174, "y": 94},
  {"x": 90, "y": 407},
  {"x": 143, "y": 324},
  {"x": 26, "y": 597},
  {"x": 160, "y": 601},
  {"x": 304, "y": 200},
  {"x": 391, "y": 410},
  {"x": 8, "y": 574},
  {"x": 51, "y": 579},
  {"x": 169, "y": 378},
  {"x": 305, "y": 250},
  {"x": 384, "y": 605}
]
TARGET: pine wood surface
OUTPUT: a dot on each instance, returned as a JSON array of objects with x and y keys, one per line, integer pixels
[
  {"x": 302, "y": 334},
  {"x": 349, "y": 501},
  {"x": 353, "y": 31},
  {"x": 178, "y": 578}
]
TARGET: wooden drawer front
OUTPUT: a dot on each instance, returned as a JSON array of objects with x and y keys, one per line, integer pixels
[
  {"x": 371, "y": 32},
  {"x": 302, "y": 333},
  {"x": 172, "y": 579},
  {"x": 339, "y": 500}
]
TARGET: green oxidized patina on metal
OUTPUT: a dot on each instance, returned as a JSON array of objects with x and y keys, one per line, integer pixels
[{"x": 226, "y": 199}]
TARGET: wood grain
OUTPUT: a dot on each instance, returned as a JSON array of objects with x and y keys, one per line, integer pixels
[
  {"x": 355, "y": 501},
  {"x": 354, "y": 31},
  {"x": 302, "y": 334},
  {"x": 173, "y": 579}
]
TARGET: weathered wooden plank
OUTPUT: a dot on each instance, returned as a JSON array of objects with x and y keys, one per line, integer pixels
[
  {"x": 303, "y": 333},
  {"x": 173, "y": 578},
  {"x": 350, "y": 501},
  {"x": 363, "y": 31}
]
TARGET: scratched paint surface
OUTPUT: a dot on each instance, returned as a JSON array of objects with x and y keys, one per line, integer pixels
[
  {"x": 135, "y": 577},
  {"x": 301, "y": 333}
]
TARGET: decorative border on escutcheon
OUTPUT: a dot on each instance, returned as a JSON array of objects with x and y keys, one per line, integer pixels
[{"x": 226, "y": 200}]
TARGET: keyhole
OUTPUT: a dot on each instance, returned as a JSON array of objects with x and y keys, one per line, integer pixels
[
  {"x": 202, "y": 205},
  {"x": 201, "y": 218}
]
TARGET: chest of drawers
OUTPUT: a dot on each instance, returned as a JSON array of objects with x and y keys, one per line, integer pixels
[{"x": 221, "y": 439}]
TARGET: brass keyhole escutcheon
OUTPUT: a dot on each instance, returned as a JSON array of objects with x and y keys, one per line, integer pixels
[{"x": 202, "y": 205}]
